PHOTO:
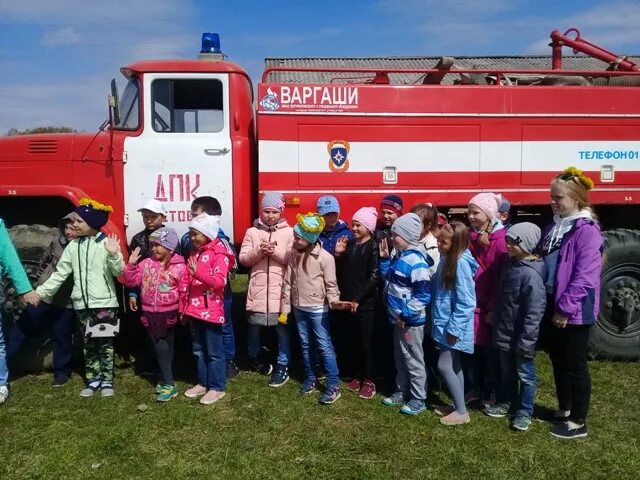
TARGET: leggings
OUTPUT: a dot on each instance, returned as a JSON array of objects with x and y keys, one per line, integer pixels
[
  {"x": 164, "y": 356},
  {"x": 450, "y": 368}
]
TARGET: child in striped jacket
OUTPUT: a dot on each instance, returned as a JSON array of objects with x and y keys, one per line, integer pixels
[{"x": 407, "y": 293}]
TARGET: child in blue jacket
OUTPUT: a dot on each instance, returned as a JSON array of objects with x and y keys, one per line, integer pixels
[
  {"x": 454, "y": 301},
  {"x": 407, "y": 294}
]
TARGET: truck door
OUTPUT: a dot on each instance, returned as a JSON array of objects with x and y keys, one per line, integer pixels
[{"x": 184, "y": 151}]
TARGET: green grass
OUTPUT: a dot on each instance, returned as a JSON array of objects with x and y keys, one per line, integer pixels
[{"x": 260, "y": 432}]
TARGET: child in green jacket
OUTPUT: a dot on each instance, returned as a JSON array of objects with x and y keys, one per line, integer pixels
[{"x": 93, "y": 259}]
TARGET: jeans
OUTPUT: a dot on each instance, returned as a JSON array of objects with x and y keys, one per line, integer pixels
[
  {"x": 518, "y": 379},
  {"x": 568, "y": 351},
  {"x": 61, "y": 321},
  {"x": 284, "y": 342},
  {"x": 4, "y": 371},
  {"x": 314, "y": 327},
  {"x": 228, "y": 337},
  {"x": 208, "y": 348}
]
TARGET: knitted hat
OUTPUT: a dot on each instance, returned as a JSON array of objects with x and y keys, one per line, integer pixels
[
  {"x": 165, "y": 237},
  {"x": 154, "y": 206},
  {"x": 505, "y": 206},
  {"x": 526, "y": 235},
  {"x": 488, "y": 203},
  {"x": 309, "y": 226},
  {"x": 328, "y": 204},
  {"x": 367, "y": 216},
  {"x": 393, "y": 203},
  {"x": 208, "y": 225},
  {"x": 409, "y": 227},
  {"x": 273, "y": 200},
  {"x": 95, "y": 214}
]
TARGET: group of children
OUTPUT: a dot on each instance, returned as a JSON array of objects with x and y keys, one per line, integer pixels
[{"x": 478, "y": 292}]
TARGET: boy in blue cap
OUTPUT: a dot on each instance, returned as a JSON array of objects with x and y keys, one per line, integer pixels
[{"x": 328, "y": 208}]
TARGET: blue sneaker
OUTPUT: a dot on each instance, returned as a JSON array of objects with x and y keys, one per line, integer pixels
[
  {"x": 280, "y": 376},
  {"x": 499, "y": 410},
  {"x": 330, "y": 395},
  {"x": 308, "y": 386},
  {"x": 413, "y": 407},
  {"x": 167, "y": 393},
  {"x": 395, "y": 400}
]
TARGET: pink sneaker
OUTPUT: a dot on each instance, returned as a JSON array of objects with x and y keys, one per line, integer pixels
[
  {"x": 195, "y": 391},
  {"x": 212, "y": 396},
  {"x": 454, "y": 418},
  {"x": 354, "y": 385},
  {"x": 368, "y": 390}
]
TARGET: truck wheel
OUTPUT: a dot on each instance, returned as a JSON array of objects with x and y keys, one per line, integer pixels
[
  {"x": 30, "y": 242},
  {"x": 617, "y": 333}
]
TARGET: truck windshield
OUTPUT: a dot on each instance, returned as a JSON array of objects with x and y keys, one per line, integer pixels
[{"x": 129, "y": 106}]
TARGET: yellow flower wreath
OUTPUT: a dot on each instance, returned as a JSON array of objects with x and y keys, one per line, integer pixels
[
  {"x": 573, "y": 172},
  {"x": 96, "y": 205}
]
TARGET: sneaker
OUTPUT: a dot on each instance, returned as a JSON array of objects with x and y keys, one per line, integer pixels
[
  {"x": 444, "y": 410},
  {"x": 260, "y": 367},
  {"x": 353, "y": 385},
  {"x": 521, "y": 422},
  {"x": 472, "y": 397},
  {"x": 308, "y": 386},
  {"x": 454, "y": 418},
  {"x": 4, "y": 393},
  {"x": 167, "y": 393},
  {"x": 330, "y": 395},
  {"x": 499, "y": 410},
  {"x": 569, "y": 430},
  {"x": 232, "y": 369},
  {"x": 106, "y": 390},
  {"x": 158, "y": 388},
  {"x": 212, "y": 396},
  {"x": 395, "y": 400},
  {"x": 89, "y": 390},
  {"x": 413, "y": 407},
  {"x": 368, "y": 390},
  {"x": 195, "y": 391},
  {"x": 280, "y": 376},
  {"x": 60, "y": 380}
]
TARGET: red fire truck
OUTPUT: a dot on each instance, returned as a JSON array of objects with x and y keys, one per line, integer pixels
[{"x": 436, "y": 130}]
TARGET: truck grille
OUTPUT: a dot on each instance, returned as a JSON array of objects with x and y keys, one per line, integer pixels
[{"x": 43, "y": 146}]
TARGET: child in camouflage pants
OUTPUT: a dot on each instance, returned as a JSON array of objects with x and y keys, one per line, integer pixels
[{"x": 93, "y": 259}]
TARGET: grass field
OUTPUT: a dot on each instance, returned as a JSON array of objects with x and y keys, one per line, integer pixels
[{"x": 260, "y": 432}]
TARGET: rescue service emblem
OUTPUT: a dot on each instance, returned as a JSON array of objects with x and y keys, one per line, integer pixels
[
  {"x": 338, "y": 153},
  {"x": 270, "y": 101}
]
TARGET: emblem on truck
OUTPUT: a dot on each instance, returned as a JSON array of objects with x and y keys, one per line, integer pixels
[
  {"x": 338, "y": 153},
  {"x": 270, "y": 101}
]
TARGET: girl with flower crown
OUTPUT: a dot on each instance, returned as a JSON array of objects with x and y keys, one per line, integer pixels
[
  {"x": 310, "y": 289},
  {"x": 93, "y": 259},
  {"x": 571, "y": 247}
]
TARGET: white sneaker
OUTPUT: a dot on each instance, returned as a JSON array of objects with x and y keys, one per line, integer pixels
[{"x": 4, "y": 393}]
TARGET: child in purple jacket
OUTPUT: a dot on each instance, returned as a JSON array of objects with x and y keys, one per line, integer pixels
[{"x": 571, "y": 248}]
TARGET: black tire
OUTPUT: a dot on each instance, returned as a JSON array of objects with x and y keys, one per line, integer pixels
[
  {"x": 30, "y": 241},
  {"x": 616, "y": 335}
]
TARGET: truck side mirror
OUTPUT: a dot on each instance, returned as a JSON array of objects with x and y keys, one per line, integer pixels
[{"x": 114, "y": 102}]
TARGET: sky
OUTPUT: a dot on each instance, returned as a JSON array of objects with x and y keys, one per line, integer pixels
[{"x": 58, "y": 56}]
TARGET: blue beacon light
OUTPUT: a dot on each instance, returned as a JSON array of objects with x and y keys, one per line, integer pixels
[{"x": 210, "y": 43}]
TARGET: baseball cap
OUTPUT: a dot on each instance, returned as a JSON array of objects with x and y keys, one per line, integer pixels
[{"x": 154, "y": 206}]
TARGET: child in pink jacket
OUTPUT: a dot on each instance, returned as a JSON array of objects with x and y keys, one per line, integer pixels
[
  {"x": 202, "y": 304},
  {"x": 265, "y": 249},
  {"x": 488, "y": 247},
  {"x": 159, "y": 277}
]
